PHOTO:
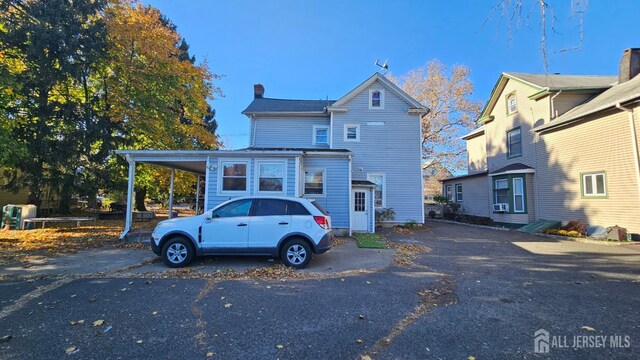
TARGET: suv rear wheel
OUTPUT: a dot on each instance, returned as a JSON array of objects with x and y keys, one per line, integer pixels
[
  {"x": 177, "y": 252},
  {"x": 296, "y": 253}
]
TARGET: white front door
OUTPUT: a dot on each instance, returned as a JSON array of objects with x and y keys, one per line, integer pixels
[{"x": 360, "y": 210}]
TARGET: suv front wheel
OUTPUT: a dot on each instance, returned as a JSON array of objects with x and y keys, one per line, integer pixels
[
  {"x": 177, "y": 252},
  {"x": 296, "y": 253}
]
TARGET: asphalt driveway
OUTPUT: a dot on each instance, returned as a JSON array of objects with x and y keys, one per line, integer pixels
[{"x": 477, "y": 292}]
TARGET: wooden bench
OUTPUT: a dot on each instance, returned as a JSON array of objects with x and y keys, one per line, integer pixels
[{"x": 78, "y": 220}]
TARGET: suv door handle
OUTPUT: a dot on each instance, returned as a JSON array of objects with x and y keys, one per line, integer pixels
[
  {"x": 283, "y": 223},
  {"x": 242, "y": 224}
]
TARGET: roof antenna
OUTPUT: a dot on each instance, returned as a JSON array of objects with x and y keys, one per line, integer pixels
[{"x": 384, "y": 66}]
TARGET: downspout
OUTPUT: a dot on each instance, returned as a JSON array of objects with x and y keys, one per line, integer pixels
[
  {"x": 553, "y": 108},
  {"x": 634, "y": 139}
]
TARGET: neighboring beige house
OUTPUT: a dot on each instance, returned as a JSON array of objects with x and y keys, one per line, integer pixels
[
  {"x": 432, "y": 172},
  {"x": 559, "y": 147}
]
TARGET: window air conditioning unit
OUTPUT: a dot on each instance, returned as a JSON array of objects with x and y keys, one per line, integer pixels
[{"x": 501, "y": 207}]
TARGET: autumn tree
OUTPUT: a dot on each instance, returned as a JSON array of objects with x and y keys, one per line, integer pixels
[
  {"x": 447, "y": 92},
  {"x": 157, "y": 91}
]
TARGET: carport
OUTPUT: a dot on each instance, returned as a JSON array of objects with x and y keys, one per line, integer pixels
[{"x": 192, "y": 161}]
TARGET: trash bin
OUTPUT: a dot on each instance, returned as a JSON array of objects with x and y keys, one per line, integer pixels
[{"x": 617, "y": 233}]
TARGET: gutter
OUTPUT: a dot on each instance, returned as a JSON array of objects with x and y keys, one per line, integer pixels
[{"x": 634, "y": 139}]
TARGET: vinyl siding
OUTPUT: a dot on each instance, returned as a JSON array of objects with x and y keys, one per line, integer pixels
[
  {"x": 336, "y": 199},
  {"x": 565, "y": 102},
  {"x": 477, "y": 154},
  {"x": 529, "y": 114},
  {"x": 603, "y": 144},
  {"x": 214, "y": 198},
  {"x": 476, "y": 198},
  {"x": 392, "y": 149},
  {"x": 292, "y": 132}
]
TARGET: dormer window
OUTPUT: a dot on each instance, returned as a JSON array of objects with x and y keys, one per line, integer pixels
[
  {"x": 512, "y": 104},
  {"x": 376, "y": 99}
]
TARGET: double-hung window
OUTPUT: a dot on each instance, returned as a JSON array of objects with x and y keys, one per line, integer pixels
[
  {"x": 518, "y": 194},
  {"x": 320, "y": 135},
  {"x": 458, "y": 193},
  {"x": 271, "y": 176},
  {"x": 376, "y": 99},
  {"x": 594, "y": 185},
  {"x": 501, "y": 191},
  {"x": 234, "y": 176},
  {"x": 351, "y": 132},
  {"x": 512, "y": 104},
  {"x": 514, "y": 143},
  {"x": 447, "y": 192},
  {"x": 314, "y": 182}
]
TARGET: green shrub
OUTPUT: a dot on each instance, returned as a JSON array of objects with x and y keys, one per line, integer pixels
[
  {"x": 441, "y": 199},
  {"x": 385, "y": 215}
]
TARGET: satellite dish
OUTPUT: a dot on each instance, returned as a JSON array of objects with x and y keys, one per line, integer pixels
[{"x": 384, "y": 66}]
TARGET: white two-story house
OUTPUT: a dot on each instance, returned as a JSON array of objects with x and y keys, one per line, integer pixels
[{"x": 354, "y": 155}]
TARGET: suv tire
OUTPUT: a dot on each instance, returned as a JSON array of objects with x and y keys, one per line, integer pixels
[
  {"x": 296, "y": 253},
  {"x": 177, "y": 252}
]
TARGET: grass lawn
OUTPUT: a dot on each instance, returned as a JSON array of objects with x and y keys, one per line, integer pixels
[{"x": 369, "y": 241}]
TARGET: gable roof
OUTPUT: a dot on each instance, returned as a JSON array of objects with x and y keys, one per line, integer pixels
[
  {"x": 542, "y": 84},
  {"x": 565, "y": 82},
  {"x": 268, "y": 105},
  {"x": 387, "y": 83},
  {"x": 621, "y": 93}
]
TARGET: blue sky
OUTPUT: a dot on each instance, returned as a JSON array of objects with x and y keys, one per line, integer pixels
[{"x": 318, "y": 49}]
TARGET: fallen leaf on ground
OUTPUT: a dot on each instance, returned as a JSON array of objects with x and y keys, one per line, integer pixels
[
  {"x": 71, "y": 350},
  {"x": 80, "y": 321},
  {"x": 365, "y": 357},
  {"x": 130, "y": 282},
  {"x": 342, "y": 279},
  {"x": 6, "y": 338},
  {"x": 98, "y": 322},
  {"x": 108, "y": 328},
  {"x": 222, "y": 298},
  {"x": 124, "y": 289},
  {"x": 154, "y": 313},
  {"x": 268, "y": 287},
  {"x": 280, "y": 346},
  {"x": 92, "y": 299},
  {"x": 148, "y": 282},
  {"x": 209, "y": 354},
  {"x": 74, "y": 295},
  {"x": 368, "y": 282},
  {"x": 359, "y": 341},
  {"x": 588, "y": 328},
  {"x": 139, "y": 342},
  {"x": 228, "y": 305},
  {"x": 471, "y": 357},
  {"x": 73, "y": 322},
  {"x": 361, "y": 317}
]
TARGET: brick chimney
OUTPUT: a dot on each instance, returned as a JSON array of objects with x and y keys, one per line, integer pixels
[
  {"x": 258, "y": 91},
  {"x": 629, "y": 65}
]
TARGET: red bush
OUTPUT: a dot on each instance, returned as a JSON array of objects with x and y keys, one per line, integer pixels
[{"x": 576, "y": 225}]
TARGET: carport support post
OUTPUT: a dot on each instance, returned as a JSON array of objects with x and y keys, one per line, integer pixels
[
  {"x": 198, "y": 194},
  {"x": 129, "y": 214},
  {"x": 173, "y": 175}
]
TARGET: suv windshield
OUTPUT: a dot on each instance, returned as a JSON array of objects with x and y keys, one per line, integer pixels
[{"x": 319, "y": 207}]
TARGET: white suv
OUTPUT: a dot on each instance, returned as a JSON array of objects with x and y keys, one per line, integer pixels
[{"x": 291, "y": 228}]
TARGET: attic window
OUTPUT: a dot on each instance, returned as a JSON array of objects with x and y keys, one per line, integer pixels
[
  {"x": 376, "y": 99},
  {"x": 512, "y": 104}
]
